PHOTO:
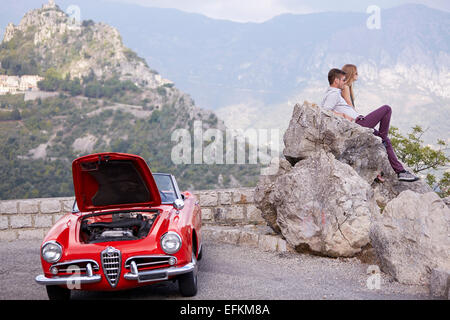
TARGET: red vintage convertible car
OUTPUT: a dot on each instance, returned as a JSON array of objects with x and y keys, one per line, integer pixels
[{"x": 128, "y": 228}]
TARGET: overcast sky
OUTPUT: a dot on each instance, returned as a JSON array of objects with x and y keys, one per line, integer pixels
[{"x": 261, "y": 10}]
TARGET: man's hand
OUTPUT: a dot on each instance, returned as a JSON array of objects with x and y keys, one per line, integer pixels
[
  {"x": 343, "y": 115},
  {"x": 348, "y": 118}
]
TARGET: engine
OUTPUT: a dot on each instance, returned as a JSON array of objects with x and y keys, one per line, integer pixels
[{"x": 120, "y": 228}]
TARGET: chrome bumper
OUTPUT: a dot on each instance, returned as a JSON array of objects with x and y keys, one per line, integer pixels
[
  {"x": 89, "y": 277},
  {"x": 143, "y": 276},
  {"x": 157, "y": 274},
  {"x": 42, "y": 279}
]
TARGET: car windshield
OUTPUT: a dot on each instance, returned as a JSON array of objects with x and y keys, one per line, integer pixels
[{"x": 165, "y": 187}]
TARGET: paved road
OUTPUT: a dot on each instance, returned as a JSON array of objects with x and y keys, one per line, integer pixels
[{"x": 225, "y": 272}]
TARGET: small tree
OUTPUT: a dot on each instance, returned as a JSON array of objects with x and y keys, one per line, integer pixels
[
  {"x": 411, "y": 151},
  {"x": 52, "y": 81}
]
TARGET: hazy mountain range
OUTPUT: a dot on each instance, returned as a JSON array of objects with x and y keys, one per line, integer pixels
[{"x": 261, "y": 69}]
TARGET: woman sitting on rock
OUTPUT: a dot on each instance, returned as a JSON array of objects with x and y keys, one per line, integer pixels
[
  {"x": 336, "y": 100},
  {"x": 351, "y": 75}
]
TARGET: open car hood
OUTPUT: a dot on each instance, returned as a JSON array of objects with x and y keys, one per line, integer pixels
[{"x": 113, "y": 180}]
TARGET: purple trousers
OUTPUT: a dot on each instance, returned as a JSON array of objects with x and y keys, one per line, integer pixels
[{"x": 382, "y": 116}]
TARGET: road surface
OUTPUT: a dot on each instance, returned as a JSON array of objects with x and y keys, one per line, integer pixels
[{"x": 225, "y": 272}]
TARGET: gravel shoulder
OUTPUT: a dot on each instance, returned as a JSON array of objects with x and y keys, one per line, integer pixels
[{"x": 225, "y": 272}]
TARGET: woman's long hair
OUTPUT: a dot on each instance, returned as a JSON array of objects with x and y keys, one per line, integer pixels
[{"x": 350, "y": 70}]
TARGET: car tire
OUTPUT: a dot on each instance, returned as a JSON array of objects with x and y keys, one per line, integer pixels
[
  {"x": 187, "y": 283},
  {"x": 58, "y": 293}
]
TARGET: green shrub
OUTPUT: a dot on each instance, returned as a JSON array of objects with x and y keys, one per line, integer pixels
[{"x": 411, "y": 151}]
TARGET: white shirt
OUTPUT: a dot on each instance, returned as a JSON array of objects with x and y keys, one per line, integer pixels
[{"x": 333, "y": 100}]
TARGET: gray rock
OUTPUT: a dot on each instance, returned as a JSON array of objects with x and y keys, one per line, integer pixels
[
  {"x": 328, "y": 174},
  {"x": 264, "y": 197},
  {"x": 324, "y": 207},
  {"x": 312, "y": 130},
  {"x": 447, "y": 201},
  {"x": 411, "y": 237},
  {"x": 439, "y": 283}
]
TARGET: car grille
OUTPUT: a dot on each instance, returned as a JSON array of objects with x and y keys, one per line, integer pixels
[{"x": 111, "y": 261}]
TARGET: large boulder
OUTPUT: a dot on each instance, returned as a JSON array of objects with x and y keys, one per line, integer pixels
[
  {"x": 411, "y": 237},
  {"x": 264, "y": 197},
  {"x": 323, "y": 207},
  {"x": 312, "y": 129}
]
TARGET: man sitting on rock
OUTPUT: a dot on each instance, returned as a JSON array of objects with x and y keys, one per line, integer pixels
[{"x": 334, "y": 101}]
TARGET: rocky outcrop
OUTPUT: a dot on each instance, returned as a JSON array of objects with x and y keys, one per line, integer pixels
[
  {"x": 323, "y": 206},
  {"x": 9, "y": 32},
  {"x": 264, "y": 197},
  {"x": 447, "y": 201},
  {"x": 78, "y": 48},
  {"x": 323, "y": 196},
  {"x": 312, "y": 130},
  {"x": 411, "y": 237}
]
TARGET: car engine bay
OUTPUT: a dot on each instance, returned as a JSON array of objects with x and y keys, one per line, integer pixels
[{"x": 120, "y": 226}]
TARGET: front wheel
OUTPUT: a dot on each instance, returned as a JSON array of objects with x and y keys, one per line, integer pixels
[
  {"x": 187, "y": 283},
  {"x": 57, "y": 293}
]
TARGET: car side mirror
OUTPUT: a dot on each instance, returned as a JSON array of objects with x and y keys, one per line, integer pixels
[{"x": 178, "y": 204}]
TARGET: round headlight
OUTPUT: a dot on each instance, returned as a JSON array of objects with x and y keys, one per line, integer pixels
[
  {"x": 170, "y": 242},
  {"x": 51, "y": 251}
]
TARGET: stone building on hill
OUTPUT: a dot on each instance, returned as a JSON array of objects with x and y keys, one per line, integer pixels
[{"x": 17, "y": 84}]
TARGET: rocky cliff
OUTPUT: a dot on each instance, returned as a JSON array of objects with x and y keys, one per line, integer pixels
[{"x": 79, "y": 48}]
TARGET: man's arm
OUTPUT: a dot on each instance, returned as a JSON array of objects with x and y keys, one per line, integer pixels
[{"x": 330, "y": 101}]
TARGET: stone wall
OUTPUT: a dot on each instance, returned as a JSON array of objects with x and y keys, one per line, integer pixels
[
  {"x": 32, "y": 218},
  {"x": 229, "y": 207}
]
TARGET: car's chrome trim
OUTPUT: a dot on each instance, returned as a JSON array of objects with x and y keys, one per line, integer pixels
[
  {"x": 160, "y": 274},
  {"x": 89, "y": 263},
  {"x": 164, "y": 260},
  {"x": 42, "y": 279}
]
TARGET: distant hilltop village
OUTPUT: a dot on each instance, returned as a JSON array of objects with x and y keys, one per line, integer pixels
[
  {"x": 17, "y": 84},
  {"x": 49, "y": 39},
  {"x": 22, "y": 84}
]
